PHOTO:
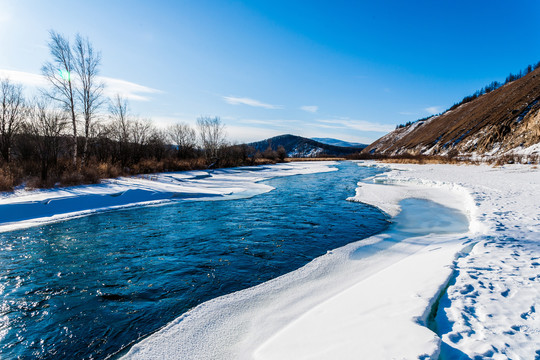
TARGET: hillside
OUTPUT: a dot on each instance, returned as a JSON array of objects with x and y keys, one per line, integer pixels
[
  {"x": 504, "y": 120},
  {"x": 297, "y": 146},
  {"x": 337, "y": 142}
]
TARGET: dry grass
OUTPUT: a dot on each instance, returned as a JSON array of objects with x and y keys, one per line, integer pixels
[
  {"x": 491, "y": 118},
  {"x": 460, "y": 160},
  {"x": 6, "y": 180},
  {"x": 430, "y": 160},
  {"x": 64, "y": 174},
  {"x": 514, "y": 159}
]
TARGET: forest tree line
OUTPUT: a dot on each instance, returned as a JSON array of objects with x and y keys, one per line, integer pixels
[{"x": 71, "y": 133}]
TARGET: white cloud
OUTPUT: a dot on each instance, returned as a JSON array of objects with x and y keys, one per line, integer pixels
[
  {"x": 127, "y": 89},
  {"x": 24, "y": 78},
  {"x": 165, "y": 121},
  {"x": 251, "y": 102},
  {"x": 268, "y": 123},
  {"x": 432, "y": 110},
  {"x": 246, "y": 134},
  {"x": 359, "y": 125},
  {"x": 310, "y": 108}
]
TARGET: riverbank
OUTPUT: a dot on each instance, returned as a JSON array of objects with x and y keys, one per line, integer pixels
[
  {"x": 372, "y": 299},
  {"x": 369, "y": 299},
  {"x": 25, "y": 208},
  {"x": 489, "y": 309}
]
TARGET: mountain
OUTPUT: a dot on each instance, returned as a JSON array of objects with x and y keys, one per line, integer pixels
[
  {"x": 297, "y": 146},
  {"x": 504, "y": 120},
  {"x": 337, "y": 142}
]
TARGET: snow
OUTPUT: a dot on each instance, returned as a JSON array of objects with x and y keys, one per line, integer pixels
[
  {"x": 370, "y": 299},
  {"x": 305, "y": 150},
  {"x": 531, "y": 150},
  {"x": 490, "y": 309},
  {"x": 25, "y": 208}
]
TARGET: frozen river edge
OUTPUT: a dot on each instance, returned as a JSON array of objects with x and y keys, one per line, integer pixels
[
  {"x": 368, "y": 299},
  {"x": 27, "y": 208}
]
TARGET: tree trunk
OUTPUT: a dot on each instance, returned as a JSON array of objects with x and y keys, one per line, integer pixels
[{"x": 74, "y": 120}]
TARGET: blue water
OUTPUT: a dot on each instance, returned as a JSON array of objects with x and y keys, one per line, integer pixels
[{"x": 89, "y": 287}]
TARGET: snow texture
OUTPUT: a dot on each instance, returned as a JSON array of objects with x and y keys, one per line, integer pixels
[
  {"x": 367, "y": 300},
  {"x": 370, "y": 299},
  {"x": 489, "y": 310}
]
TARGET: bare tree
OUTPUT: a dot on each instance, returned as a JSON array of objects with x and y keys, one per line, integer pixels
[
  {"x": 120, "y": 127},
  {"x": 58, "y": 73},
  {"x": 211, "y": 135},
  {"x": 118, "y": 110},
  {"x": 90, "y": 89},
  {"x": 157, "y": 144},
  {"x": 141, "y": 130},
  {"x": 281, "y": 152},
  {"x": 11, "y": 115},
  {"x": 184, "y": 137},
  {"x": 45, "y": 128}
]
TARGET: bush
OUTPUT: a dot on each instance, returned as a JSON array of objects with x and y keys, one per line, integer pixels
[
  {"x": 107, "y": 170},
  {"x": 71, "y": 177},
  {"x": 6, "y": 180}
]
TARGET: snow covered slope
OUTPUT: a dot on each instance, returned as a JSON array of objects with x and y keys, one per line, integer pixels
[{"x": 337, "y": 142}]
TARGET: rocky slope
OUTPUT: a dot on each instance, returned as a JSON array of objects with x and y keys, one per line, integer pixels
[{"x": 501, "y": 121}]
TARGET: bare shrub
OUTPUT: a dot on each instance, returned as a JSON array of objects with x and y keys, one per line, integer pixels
[{"x": 6, "y": 180}]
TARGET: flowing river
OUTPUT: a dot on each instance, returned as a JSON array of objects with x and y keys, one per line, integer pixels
[{"x": 92, "y": 286}]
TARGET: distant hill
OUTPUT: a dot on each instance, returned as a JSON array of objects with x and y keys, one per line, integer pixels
[
  {"x": 297, "y": 146},
  {"x": 504, "y": 120},
  {"x": 337, "y": 142}
]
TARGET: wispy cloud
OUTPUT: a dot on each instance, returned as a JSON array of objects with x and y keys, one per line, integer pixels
[
  {"x": 246, "y": 134},
  {"x": 432, "y": 110},
  {"x": 24, "y": 78},
  {"x": 113, "y": 86},
  {"x": 233, "y": 100},
  {"x": 128, "y": 89},
  {"x": 359, "y": 125},
  {"x": 275, "y": 123},
  {"x": 310, "y": 108}
]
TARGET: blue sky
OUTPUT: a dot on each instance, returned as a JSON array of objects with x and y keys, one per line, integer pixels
[{"x": 343, "y": 69}]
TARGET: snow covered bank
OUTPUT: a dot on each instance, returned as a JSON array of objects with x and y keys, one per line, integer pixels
[
  {"x": 23, "y": 208},
  {"x": 369, "y": 299},
  {"x": 490, "y": 309}
]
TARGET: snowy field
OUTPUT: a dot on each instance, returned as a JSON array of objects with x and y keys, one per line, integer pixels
[{"x": 25, "y": 208}]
